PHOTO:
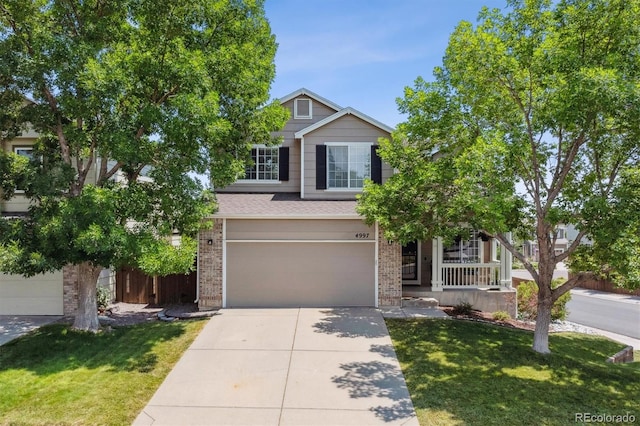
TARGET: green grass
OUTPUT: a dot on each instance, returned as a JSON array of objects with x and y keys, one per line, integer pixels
[
  {"x": 461, "y": 372},
  {"x": 59, "y": 376}
]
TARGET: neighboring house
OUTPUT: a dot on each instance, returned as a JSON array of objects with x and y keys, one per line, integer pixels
[
  {"x": 39, "y": 295},
  {"x": 45, "y": 294},
  {"x": 565, "y": 235},
  {"x": 287, "y": 234}
]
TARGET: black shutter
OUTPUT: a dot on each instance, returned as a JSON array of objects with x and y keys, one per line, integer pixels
[
  {"x": 376, "y": 165},
  {"x": 283, "y": 163},
  {"x": 321, "y": 167}
]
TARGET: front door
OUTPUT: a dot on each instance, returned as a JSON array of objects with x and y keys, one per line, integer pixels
[{"x": 410, "y": 261}]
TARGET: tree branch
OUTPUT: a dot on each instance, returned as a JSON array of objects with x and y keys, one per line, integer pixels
[
  {"x": 110, "y": 173},
  {"x": 572, "y": 247},
  {"x": 558, "y": 180},
  {"x": 515, "y": 252}
]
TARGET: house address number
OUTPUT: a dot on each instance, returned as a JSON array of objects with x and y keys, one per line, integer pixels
[{"x": 362, "y": 235}]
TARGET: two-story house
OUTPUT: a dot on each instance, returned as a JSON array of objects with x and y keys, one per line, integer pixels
[
  {"x": 39, "y": 295},
  {"x": 287, "y": 234},
  {"x": 53, "y": 293}
]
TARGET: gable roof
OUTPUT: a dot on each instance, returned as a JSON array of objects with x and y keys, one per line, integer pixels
[
  {"x": 310, "y": 94},
  {"x": 342, "y": 113}
]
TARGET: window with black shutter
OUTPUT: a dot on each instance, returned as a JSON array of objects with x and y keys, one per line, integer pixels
[{"x": 321, "y": 167}]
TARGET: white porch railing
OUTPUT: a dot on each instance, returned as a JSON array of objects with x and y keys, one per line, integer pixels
[{"x": 470, "y": 275}]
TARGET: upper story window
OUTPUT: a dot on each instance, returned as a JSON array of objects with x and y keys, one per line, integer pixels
[
  {"x": 265, "y": 164},
  {"x": 348, "y": 165},
  {"x": 302, "y": 108},
  {"x": 25, "y": 151}
]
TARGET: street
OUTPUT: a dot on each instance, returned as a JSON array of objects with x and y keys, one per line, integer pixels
[{"x": 611, "y": 312}]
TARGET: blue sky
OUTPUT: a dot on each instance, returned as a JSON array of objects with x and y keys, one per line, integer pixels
[{"x": 363, "y": 53}]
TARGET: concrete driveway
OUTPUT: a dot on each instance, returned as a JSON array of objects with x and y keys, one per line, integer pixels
[
  {"x": 286, "y": 367},
  {"x": 13, "y": 326}
]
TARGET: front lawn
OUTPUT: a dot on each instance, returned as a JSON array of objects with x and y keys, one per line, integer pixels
[
  {"x": 462, "y": 372},
  {"x": 58, "y": 376}
]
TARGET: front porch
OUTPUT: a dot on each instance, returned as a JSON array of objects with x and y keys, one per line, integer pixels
[{"x": 475, "y": 271}]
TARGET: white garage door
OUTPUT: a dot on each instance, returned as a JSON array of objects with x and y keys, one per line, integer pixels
[
  {"x": 285, "y": 264},
  {"x": 39, "y": 295}
]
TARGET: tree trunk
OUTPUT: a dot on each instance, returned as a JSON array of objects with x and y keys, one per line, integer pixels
[
  {"x": 87, "y": 315},
  {"x": 543, "y": 320}
]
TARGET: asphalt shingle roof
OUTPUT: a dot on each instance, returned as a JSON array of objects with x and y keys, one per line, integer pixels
[{"x": 281, "y": 205}]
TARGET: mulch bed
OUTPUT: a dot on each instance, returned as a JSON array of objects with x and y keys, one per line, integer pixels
[{"x": 487, "y": 317}]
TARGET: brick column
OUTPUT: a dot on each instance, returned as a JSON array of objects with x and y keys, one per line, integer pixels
[
  {"x": 210, "y": 243},
  {"x": 70, "y": 290},
  {"x": 389, "y": 272}
]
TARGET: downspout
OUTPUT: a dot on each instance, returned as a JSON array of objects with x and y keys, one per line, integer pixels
[{"x": 302, "y": 167}]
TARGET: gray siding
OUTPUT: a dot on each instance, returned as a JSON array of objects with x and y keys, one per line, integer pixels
[
  {"x": 320, "y": 112},
  {"x": 345, "y": 129},
  {"x": 19, "y": 203}
]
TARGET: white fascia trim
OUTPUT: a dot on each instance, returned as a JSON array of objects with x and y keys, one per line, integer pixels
[
  {"x": 302, "y": 167},
  {"x": 312, "y": 95},
  {"x": 339, "y": 114}
]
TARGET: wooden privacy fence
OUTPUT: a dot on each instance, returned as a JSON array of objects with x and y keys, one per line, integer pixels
[
  {"x": 592, "y": 284},
  {"x": 134, "y": 286},
  {"x": 607, "y": 286}
]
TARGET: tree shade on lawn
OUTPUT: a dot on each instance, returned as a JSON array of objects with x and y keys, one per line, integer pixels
[
  {"x": 152, "y": 92},
  {"x": 532, "y": 121}
]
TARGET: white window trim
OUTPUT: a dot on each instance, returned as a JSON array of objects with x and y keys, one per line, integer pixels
[
  {"x": 347, "y": 144},
  {"x": 262, "y": 181},
  {"x": 480, "y": 250},
  {"x": 14, "y": 149},
  {"x": 295, "y": 109},
  {"x": 18, "y": 147}
]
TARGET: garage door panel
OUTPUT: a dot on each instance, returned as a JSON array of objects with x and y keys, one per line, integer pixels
[
  {"x": 39, "y": 295},
  {"x": 309, "y": 274}
]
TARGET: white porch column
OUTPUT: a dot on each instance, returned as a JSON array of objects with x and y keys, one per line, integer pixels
[
  {"x": 436, "y": 264},
  {"x": 506, "y": 261}
]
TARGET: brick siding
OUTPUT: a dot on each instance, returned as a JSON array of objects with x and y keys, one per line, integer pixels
[
  {"x": 389, "y": 272},
  {"x": 210, "y": 267},
  {"x": 70, "y": 290}
]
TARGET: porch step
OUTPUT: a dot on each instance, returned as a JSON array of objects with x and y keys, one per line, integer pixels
[{"x": 419, "y": 302}]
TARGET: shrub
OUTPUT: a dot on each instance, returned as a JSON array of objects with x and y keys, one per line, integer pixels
[
  {"x": 463, "y": 308},
  {"x": 501, "y": 316},
  {"x": 103, "y": 297},
  {"x": 528, "y": 301}
]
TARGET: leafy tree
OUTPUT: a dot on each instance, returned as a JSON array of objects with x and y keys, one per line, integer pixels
[
  {"x": 132, "y": 99},
  {"x": 532, "y": 121}
]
